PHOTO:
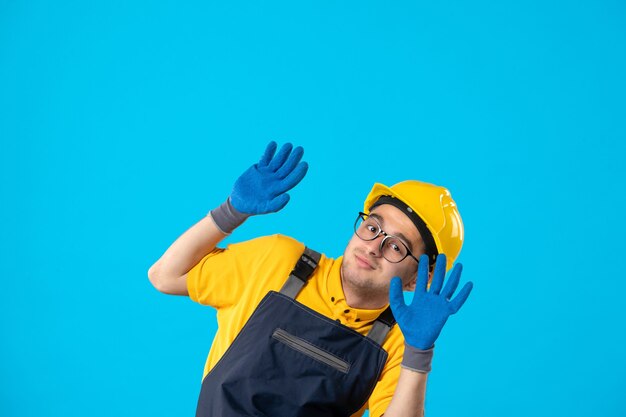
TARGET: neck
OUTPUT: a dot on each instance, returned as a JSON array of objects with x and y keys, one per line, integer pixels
[{"x": 365, "y": 299}]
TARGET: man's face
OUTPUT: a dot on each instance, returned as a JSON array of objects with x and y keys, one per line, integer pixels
[{"x": 363, "y": 267}]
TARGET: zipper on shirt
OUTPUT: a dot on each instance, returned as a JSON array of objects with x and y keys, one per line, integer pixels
[{"x": 311, "y": 350}]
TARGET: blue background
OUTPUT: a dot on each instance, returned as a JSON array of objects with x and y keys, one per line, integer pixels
[{"x": 122, "y": 123}]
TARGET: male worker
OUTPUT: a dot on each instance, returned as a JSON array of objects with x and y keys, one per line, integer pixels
[{"x": 300, "y": 334}]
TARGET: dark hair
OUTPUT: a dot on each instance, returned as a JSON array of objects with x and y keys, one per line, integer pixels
[{"x": 427, "y": 237}]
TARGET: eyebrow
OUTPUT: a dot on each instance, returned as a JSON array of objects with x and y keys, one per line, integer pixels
[{"x": 407, "y": 241}]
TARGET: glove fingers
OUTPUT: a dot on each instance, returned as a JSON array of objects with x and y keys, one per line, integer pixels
[
  {"x": 280, "y": 157},
  {"x": 422, "y": 274},
  {"x": 453, "y": 281},
  {"x": 458, "y": 301},
  {"x": 291, "y": 162},
  {"x": 269, "y": 153},
  {"x": 396, "y": 298},
  {"x": 293, "y": 178},
  {"x": 439, "y": 274}
]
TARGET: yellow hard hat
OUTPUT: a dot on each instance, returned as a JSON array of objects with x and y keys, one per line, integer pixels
[{"x": 432, "y": 210}]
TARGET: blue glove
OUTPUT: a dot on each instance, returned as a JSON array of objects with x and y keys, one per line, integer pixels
[
  {"x": 263, "y": 187},
  {"x": 422, "y": 321}
]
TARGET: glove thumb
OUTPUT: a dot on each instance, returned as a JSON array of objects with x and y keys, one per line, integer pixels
[
  {"x": 396, "y": 297},
  {"x": 278, "y": 203}
]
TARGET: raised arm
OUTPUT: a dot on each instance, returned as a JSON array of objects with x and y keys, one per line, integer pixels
[
  {"x": 421, "y": 323},
  {"x": 261, "y": 189},
  {"x": 169, "y": 273}
]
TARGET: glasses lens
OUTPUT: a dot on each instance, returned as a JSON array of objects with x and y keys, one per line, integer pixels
[
  {"x": 366, "y": 228},
  {"x": 394, "y": 250}
]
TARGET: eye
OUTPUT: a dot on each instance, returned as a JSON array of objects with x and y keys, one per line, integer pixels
[
  {"x": 370, "y": 226},
  {"x": 396, "y": 246}
]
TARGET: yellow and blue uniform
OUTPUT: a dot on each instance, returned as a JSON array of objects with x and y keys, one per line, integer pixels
[{"x": 235, "y": 279}]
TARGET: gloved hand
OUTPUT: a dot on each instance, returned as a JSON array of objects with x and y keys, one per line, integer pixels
[
  {"x": 422, "y": 320},
  {"x": 263, "y": 187}
]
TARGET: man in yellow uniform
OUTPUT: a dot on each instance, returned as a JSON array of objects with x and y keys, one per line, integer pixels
[{"x": 301, "y": 334}]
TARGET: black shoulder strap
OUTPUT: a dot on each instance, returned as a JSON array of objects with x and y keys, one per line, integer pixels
[
  {"x": 382, "y": 326},
  {"x": 301, "y": 273}
]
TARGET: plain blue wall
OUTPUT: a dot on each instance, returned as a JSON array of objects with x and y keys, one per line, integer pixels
[{"x": 123, "y": 122}]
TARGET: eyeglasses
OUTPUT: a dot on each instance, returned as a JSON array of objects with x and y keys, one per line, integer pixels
[{"x": 391, "y": 247}]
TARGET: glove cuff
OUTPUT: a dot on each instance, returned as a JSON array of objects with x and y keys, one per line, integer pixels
[
  {"x": 227, "y": 217},
  {"x": 417, "y": 360}
]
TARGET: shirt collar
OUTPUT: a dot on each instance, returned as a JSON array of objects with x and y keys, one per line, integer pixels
[{"x": 337, "y": 299}]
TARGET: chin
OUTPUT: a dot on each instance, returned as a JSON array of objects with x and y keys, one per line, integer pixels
[{"x": 360, "y": 279}]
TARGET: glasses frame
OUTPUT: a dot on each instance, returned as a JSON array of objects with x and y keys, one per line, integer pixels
[{"x": 364, "y": 216}]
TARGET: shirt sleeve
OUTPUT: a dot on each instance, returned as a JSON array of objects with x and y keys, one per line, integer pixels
[
  {"x": 386, "y": 386},
  {"x": 220, "y": 278}
]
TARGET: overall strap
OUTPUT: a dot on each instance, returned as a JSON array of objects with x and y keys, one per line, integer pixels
[
  {"x": 301, "y": 273},
  {"x": 382, "y": 326}
]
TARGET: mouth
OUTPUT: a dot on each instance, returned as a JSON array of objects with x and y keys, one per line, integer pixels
[{"x": 363, "y": 263}]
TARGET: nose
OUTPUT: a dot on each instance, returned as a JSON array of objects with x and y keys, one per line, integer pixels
[{"x": 373, "y": 247}]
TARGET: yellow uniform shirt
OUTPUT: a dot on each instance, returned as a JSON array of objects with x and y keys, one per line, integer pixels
[{"x": 235, "y": 279}]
